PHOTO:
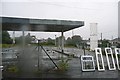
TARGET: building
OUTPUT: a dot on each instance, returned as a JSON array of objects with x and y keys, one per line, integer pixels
[
  {"x": 115, "y": 42},
  {"x": 119, "y": 19}
]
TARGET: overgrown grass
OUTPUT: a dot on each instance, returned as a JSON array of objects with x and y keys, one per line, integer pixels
[
  {"x": 5, "y": 45},
  {"x": 63, "y": 65}
]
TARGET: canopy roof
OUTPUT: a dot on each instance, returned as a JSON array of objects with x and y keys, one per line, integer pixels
[{"x": 47, "y": 25}]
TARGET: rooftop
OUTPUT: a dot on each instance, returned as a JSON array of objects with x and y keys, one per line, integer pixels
[{"x": 46, "y": 25}]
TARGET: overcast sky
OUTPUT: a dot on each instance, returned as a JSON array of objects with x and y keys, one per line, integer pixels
[{"x": 103, "y": 12}]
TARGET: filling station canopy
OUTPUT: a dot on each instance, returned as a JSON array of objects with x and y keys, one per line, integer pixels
[{"x": 46, "y": 25}]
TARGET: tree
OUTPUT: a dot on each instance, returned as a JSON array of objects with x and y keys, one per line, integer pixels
[
  {"x": 105, "y": 43},
  {"x": 50, "y": 41},
  {"x": 59, "y": 40},
  {"x": 76, "y": 39},
  {"x": 6, "y": 39},
  {"x": 18, "y": 40},
  {"x": 69, "y": 41},
  {"x": 28, "y": 39}
]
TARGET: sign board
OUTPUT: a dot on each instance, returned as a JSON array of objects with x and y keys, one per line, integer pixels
[{"x": 87, "y": 62}]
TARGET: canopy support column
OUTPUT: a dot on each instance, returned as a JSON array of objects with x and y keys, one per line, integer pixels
[
  {"x": 62, "y": 43},
  {"x": 23, "y": 39},
  {"x": 55, "y": 41}
]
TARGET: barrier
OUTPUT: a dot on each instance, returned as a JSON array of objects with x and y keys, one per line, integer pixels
[
  {"x": 117, "y": 53},
  {"x": 99, "y": 59},
  {"x": 111, "y": 64}
]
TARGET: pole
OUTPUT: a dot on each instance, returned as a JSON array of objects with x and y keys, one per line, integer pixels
[
  {"x": 23, "y": 40},
  {"x": 59, "y": 43},
  {"x": 101, "y": 40},
  {"x": 101, "y": 36},
  {"x": 73, "y": 45},
  {"x": 62, "y": 43},
  {"x": 38, "y": 55},
  {"x": 84, "y": 47},
  {"x": 55, "y": 41}
]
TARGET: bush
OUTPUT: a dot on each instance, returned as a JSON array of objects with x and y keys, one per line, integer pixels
[
  {"x": 63, "y": 65},
  {"x": 6, "y": 39}
]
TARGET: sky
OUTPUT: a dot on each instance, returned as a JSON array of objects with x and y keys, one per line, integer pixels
[{"x": 103, "y": 12}]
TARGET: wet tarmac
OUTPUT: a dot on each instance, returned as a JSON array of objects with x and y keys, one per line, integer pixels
[{"x": 27, "y": 63}]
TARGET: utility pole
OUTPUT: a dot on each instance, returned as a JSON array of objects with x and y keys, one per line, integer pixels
[
  {"x": 101, "y": 40},
  {"x": 101, "y": 36},
  {"x": 111, "y": 40},
  {"x": 112, "y": 37}
]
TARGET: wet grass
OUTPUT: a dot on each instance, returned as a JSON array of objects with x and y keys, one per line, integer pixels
[{"x": 12, "y": 69}]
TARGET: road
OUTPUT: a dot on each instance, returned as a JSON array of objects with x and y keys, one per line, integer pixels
[{"x": 27, "y": 63}]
